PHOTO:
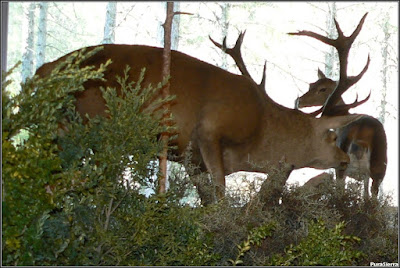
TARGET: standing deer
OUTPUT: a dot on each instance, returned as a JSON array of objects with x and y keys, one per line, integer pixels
[
  {"x": 229, "y": 123},
  {"x": 364, "y": 140}
]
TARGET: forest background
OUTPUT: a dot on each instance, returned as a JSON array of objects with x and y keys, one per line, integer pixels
[{"x": 40, "y": 32}]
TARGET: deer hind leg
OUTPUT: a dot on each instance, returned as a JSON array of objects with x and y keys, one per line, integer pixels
[
  {"x": 378, "y": 171},
  {"x": 377, "y": 178}
]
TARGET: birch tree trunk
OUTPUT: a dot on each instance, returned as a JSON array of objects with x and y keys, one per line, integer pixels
[
  {"x": 27, "y": 58},
  {"x": 175, "y": 27},
  {"x": 385, "y": 56},
  {"x": 41, "y": 36},
  {"x": 109, "y": 26},
  {"x": 225, "y": 26},
  {"x": 4, "y": 35},
  {"x": 330, "y": 70}
]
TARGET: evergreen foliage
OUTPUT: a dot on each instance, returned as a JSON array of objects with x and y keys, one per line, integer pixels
[{"x": 321, "y": 247}]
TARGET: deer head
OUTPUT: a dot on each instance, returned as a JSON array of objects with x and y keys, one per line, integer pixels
[
  {"x": 342, "y": 44},
  {"x": 319, "y": 92}
]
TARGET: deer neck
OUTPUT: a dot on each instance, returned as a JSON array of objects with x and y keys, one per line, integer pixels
[{"x": 276, "y": 144}]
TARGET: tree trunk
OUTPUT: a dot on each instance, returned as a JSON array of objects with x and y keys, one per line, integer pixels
[
  {"x": 4, "y": 34},
  {"x": 109, "y": 26},
  {"x": 225, "y": 26},
  {"x": 385, "y": 55},
  {"x": 27, "y": 58},
  {"x": 166, "y": 68},
  {"x": 175, "y": 27},
  {"x": 41, "y": 36},
  {"x": 330, "y": 71}
]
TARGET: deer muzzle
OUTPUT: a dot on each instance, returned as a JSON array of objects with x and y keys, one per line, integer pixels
[{"x": 296, "y": 103}]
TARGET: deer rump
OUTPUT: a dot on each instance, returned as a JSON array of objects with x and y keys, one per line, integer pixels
[
  {"x": 365, "y": 142},
  {"x": 228, "y": 121}
]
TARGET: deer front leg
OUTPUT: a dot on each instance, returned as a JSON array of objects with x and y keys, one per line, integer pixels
[
  {"x": 340, "y": 179},
  {"x": 271, "y": 190},
  {"x": 366, "y": 186},
  {"x": 211, "y": 153}
]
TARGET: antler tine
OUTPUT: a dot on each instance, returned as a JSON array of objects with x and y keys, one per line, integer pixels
[
  {"x": 224, "y": 47},
  {"x": 358, "y": 29},
  {"x": 215, "y": 43},
  {"x": 342, "y": 109},
  {"x": 239, "y": 42},
  {"x": 339, "y": 31},
  {"x": 319, "y": 37},
  {"x": 235, "y": 53},
  {"x": 262, "y": 83},
  {"x": 355, "y": 79}
]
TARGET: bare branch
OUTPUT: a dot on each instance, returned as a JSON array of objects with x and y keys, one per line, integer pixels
[{"x": 182, "y": 13}]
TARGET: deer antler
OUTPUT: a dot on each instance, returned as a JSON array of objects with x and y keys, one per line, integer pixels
[
  {"x": 236, "y": 54},
  {"x": 343, "y": 109},
  {"x": 338, "y": 109},
  {"x": 342, "y": 44}
]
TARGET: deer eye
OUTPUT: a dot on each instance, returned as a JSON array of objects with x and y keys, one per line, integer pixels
[{"x": 322, "y": 89}]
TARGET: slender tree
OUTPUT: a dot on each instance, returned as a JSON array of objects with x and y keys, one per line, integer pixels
[
  {"x": 4, "y": 35},
  {"x": 27, "y": 58},
  {"x": 385, "y": 56},
  {"x": 175, "y": 27},
  {"x": 109, "y": 26},
  {"x": 224, "y": 29},
  {"x": 166, "y": 69},
  {"x": 331, "y": 30},
  {"x": 42, "y": 33}
]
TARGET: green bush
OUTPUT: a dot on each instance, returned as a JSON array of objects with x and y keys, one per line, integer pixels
[
  {"x": 322, "y": 247},
  {"x": 82, "y": 205},
  {"x": 30, "y": 167}
]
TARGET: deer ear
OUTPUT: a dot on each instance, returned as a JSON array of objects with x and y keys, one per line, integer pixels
[
  {"x": 332, "y": 122},
  {"x": 321, "y": 75}
]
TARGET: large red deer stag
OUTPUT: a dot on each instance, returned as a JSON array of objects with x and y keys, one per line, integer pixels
[
  {"x": 230, "y": 125},
  {"x": 364, "y": 140},
  {"x": 356, "y": 141}
]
